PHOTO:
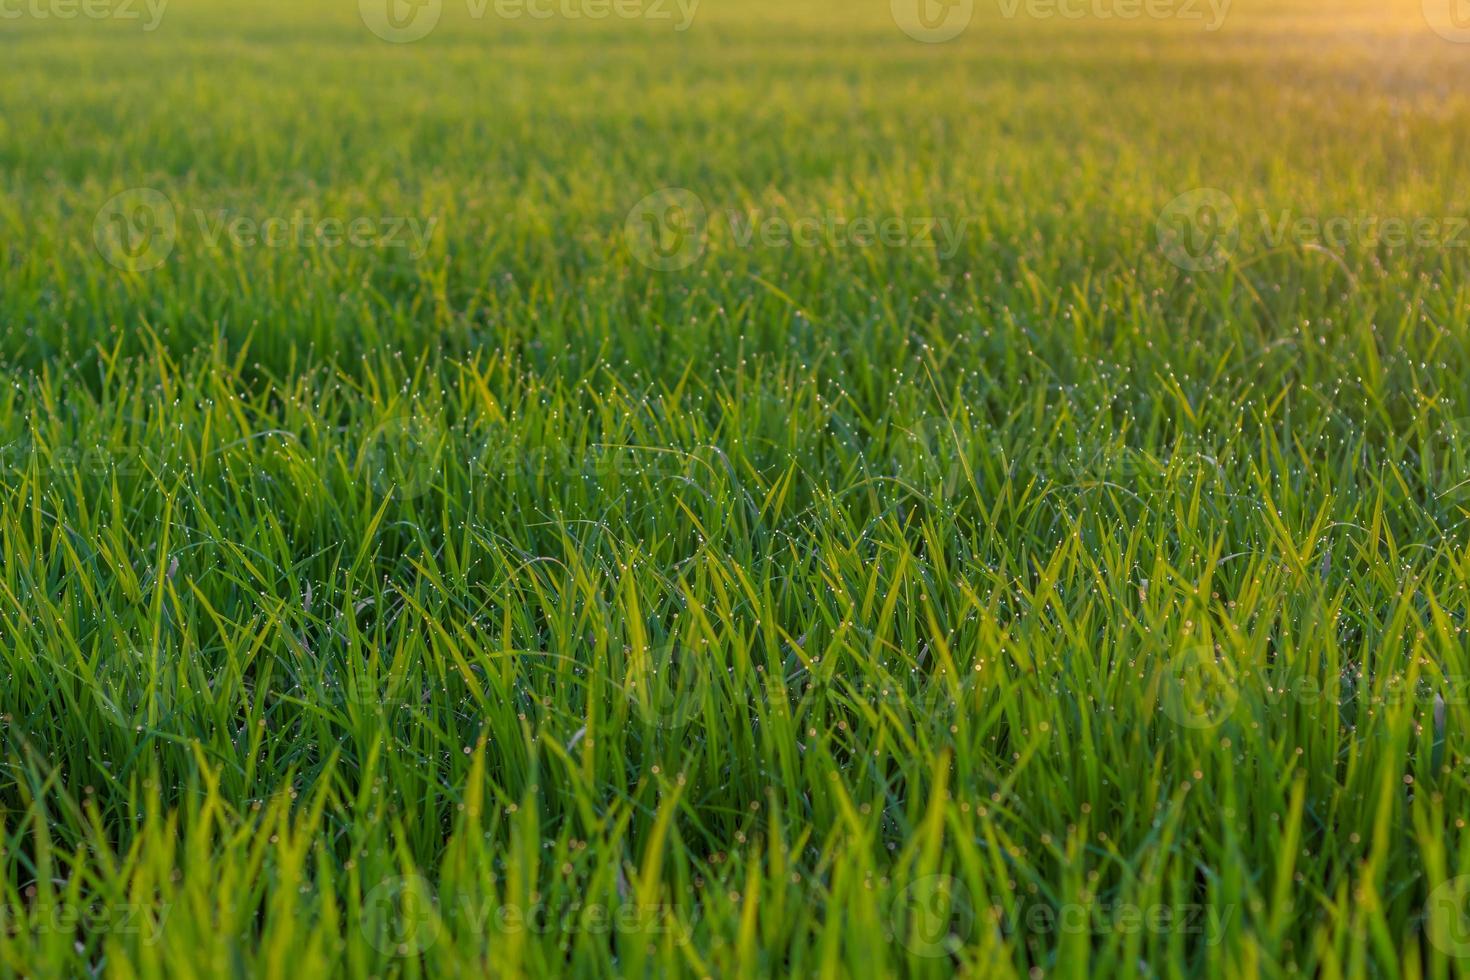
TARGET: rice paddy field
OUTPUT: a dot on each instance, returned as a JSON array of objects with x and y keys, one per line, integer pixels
[{"x": 737, "y": 488}]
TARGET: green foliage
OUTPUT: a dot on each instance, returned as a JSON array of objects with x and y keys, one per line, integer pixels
[{"x": 481, "y": 600}]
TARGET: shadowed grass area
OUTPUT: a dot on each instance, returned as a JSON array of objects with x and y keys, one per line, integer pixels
[{"x": 937, "y": 538}]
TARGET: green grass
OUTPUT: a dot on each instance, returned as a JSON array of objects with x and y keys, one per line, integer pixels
[{"x": 491, "y": 603}]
